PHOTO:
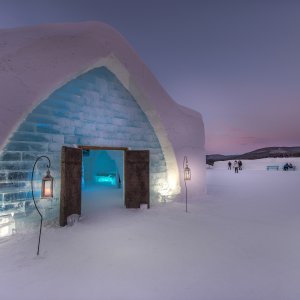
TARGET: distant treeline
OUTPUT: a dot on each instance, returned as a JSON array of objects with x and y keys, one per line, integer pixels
[{"x": 256, "y": 154}]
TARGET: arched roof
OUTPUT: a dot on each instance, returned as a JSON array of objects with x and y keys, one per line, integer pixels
[{"x": 35, "y": 61}]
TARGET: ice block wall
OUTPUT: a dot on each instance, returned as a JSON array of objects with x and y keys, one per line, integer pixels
[{"x": 93, "y": 109}]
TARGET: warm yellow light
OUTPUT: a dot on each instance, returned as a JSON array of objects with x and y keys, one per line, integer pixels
[
  {"x": 47, "y": 189},
  {"x": 172, "y": 182},
  {"x": 8, "y": 226},
  {"x": 47, "y": 186}
]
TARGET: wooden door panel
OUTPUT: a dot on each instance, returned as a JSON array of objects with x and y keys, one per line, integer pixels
[
  {"x": 137, "y": 189},
  {"x": 70, "y": 194}
]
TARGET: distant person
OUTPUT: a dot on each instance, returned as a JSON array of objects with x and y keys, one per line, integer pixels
[
  {"x": 288, "y": 166},
  {"x": 229, "y": 165},
  {"x": 236, "y": 166},
  {"x": 240, "y": 165}
]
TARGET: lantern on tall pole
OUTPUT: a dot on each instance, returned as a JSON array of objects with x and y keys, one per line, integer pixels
[
  {"x": 46, "y": 191},
  {"x": 187, "y": 175}
]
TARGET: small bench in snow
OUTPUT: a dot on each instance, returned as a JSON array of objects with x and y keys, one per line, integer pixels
[{"x": 272, "y": 168}]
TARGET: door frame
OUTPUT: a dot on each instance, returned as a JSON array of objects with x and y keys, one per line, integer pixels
[
  {"x": 141, "y": 162},
  {"x": 70, "y": 192},
  {"x": 63, "y": 221},
  {"x": 83, "y": 147}
]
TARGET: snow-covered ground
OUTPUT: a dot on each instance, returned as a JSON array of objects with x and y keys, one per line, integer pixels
[
  {"x": 239, "y": 242},
  {"x": 261, "y": 164}
]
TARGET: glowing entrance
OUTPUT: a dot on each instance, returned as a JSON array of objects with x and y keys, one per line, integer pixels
[{"x": 100, "y": 177}]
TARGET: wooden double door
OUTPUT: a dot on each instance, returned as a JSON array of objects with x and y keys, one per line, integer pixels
[{"x": 136, "y": 180}]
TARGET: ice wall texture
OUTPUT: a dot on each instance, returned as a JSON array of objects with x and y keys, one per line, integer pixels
[
  {"x": 93, "y": 109},
  {"x": 35, "y": 61}
]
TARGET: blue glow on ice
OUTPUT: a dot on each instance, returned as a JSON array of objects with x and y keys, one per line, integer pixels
[
  {"x": 107, "y": 179},
  {"x": 92, "y": 109}
]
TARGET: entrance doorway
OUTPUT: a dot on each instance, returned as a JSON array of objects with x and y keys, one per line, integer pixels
[
  {"x": 102, "y": 179},
  {"x": 113, "y": 175}
]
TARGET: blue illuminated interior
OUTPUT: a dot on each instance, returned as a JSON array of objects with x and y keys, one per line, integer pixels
[
  {"x": 102, "y": 168},
  {"x": 106, "y": 178}
]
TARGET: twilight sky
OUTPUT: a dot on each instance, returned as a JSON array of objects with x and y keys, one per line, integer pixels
[{"x": 236, "y": 62}]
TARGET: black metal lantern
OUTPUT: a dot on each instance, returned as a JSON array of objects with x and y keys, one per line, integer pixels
[
  {"x": 187, "y": 170},
  {"x": 47, "y": 186},
  {"x": 47, "y": 191}
]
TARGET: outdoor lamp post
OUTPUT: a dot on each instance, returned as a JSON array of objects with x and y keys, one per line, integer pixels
[
  {"x": 46, "y": 192},
  {"x": 186, "y": 176}
]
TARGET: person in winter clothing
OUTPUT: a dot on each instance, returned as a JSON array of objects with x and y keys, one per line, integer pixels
[
  {"x": 229, "y": 165},
  {"x": 240, "y": 165},
  {"x": 236, "y": 166}
]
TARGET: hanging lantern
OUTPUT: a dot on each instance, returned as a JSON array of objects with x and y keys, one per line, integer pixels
[
  {"x": 187, "y": 171},
  {"x": 47, "y": 186},
  {"x": 47, "y": 191}
]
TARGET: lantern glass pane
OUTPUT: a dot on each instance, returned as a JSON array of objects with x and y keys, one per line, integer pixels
[
  {"x": 47, "y": 191},
  {"x": 187, "y": 174}
]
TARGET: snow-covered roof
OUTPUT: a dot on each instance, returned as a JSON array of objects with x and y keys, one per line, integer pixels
[{"x": 35, "y": 61}]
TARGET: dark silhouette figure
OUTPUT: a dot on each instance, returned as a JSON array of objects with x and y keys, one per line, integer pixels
[
  {"x": 240, "y": 165},
  {"x": 288, "y": 166},
  {"x": 229, "y": 165}
]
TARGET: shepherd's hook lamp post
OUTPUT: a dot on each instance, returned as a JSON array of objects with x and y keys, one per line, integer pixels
[
  {"x": 186, "y": 176},
  {"x": 46, "y": 192}
]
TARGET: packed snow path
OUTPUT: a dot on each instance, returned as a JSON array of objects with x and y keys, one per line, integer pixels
[{"x": 240, "y": 242}]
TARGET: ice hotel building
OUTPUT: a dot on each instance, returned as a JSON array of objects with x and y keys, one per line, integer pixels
[{"x": 79, "y": 94}]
